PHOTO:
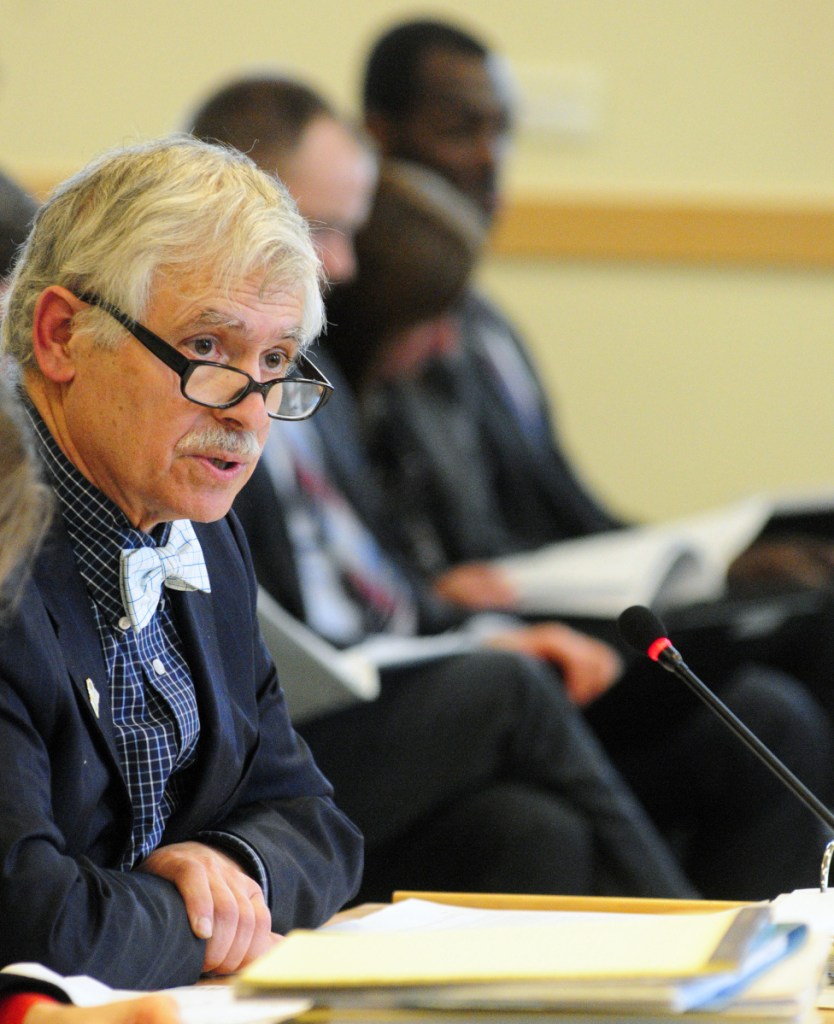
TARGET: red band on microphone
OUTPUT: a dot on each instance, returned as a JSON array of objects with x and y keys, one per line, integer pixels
[{"x": 658, "y": 647}]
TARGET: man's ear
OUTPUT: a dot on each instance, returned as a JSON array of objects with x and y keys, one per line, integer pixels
[{"x": 52, "y": 332}]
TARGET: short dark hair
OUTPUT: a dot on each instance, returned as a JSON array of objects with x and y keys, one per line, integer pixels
[
  {"x": 392, "y": 73},
  {"x": 259, "y": 114}
]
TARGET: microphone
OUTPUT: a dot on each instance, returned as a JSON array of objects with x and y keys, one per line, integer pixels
[{"x": 643, "y": 631}]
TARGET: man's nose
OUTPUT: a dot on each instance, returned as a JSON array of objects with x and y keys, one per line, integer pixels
[{"x": 248, "y": 414}]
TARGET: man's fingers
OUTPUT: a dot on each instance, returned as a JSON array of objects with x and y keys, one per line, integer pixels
[
  {"x": 191, "y": 878},
  {"x": 252, "y": 938},
  {"x": 225, "y": 907},
  {"x": 234, "y": 926},
  {"x": 155, "y": 1009},
  {"x": 196, "y": 890}
]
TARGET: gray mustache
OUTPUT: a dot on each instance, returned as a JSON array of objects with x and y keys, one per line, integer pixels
[{"x": 213, "y": 438}]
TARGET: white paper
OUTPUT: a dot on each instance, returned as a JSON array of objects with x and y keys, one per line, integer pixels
[
  {"x": 666, "y": 565},
  {"x": 316, "y": 677}
]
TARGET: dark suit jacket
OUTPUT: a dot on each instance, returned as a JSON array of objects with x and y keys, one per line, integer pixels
[
  {"x": 455, "y": 458},
  {"x": 65, "y": 814},
  {"x": 541, "y": 495}
]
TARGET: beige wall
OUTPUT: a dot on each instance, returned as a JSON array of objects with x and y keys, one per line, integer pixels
[{"x": 678, "y": 386}]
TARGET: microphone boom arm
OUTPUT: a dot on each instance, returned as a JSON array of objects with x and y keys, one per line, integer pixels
[{"x": 672, "y": 661}]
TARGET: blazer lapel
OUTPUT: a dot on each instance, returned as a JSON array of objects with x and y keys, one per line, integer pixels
[
  {"x": 218, "y": 768},
  {"x": 68, "y": 605}
]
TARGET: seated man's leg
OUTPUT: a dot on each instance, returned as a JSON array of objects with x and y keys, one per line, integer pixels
[
  {"x": 742, "y": 834},
  {"x": 442, "y": 733},
  {"x": 487, "y": 842}
]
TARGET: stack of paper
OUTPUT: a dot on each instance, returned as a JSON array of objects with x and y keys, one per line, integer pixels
[{"x": 441, "y": 958}]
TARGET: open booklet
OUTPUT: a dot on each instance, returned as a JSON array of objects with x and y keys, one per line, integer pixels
[
  {"x": 663, "y": 566},
  {"x": 318, "y": 678},
  {"x": 418, "y": 955}
]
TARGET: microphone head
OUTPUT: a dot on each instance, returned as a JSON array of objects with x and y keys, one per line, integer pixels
[{"x": 642, "y": 629}]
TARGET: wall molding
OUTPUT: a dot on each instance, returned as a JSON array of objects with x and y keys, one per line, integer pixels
[{"x": 765, "y": 233}]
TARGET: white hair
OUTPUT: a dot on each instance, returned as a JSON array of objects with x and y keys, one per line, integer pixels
[{"x": 164, "y": 207}]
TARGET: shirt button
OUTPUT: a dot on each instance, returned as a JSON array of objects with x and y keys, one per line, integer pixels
[
  {"x": 158, "y": 667},
  {"x": 124, "y": 623}
]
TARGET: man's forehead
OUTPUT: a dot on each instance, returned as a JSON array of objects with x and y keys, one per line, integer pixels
[
  {"x": 202, "y": 301},
  {"x": 231, "y": 320},
  {"x": 452, "y": 79},
  {"x": 325, "y": 143},
  {"x": 332, "y": 176}
]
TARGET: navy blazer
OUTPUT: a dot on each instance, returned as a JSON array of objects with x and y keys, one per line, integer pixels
[
  {"x": 541, "y": 496},
  {"x": 65, "y": 813}
]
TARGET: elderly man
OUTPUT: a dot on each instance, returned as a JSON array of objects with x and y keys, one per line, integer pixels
[{"x": 159, "y": 816}]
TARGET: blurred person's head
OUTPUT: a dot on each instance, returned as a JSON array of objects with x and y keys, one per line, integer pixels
[
  {"x": 24, "y": 501},
  {"x": 17, "y": 211},
  {"x": 289, "y": 129},
  {"x": 164, "y": 293},
  {"x": 415, "y": 255},
  {"x": 434, "y": 94}
]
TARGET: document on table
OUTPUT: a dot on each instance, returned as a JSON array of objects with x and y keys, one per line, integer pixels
[{"x": 817, "y": 909}]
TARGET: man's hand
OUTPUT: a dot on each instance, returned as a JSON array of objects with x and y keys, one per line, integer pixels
[
  {"x": 156, "y": 1009},
  {"x": 224, "y": 905},
  {"x": 589, "y": 667},
  {"x": 477, "y": 585},
  {"x": 799, "y": 562}
]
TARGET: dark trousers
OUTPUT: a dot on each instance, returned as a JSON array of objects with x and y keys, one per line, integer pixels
[
  {"x": 738, "y": 831},
  {"x": 477, "y": 773}
]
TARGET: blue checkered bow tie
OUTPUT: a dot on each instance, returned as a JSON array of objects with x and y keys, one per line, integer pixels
[{"x": 179, "y": 564}]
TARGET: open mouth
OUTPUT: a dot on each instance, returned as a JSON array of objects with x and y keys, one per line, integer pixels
[{"x": 223, "y": 464}]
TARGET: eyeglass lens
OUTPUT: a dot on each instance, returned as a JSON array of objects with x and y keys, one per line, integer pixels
[{"x": 219, "y": 386}]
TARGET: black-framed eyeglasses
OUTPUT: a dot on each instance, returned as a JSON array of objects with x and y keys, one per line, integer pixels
[{"x": 295, "y": 396}]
